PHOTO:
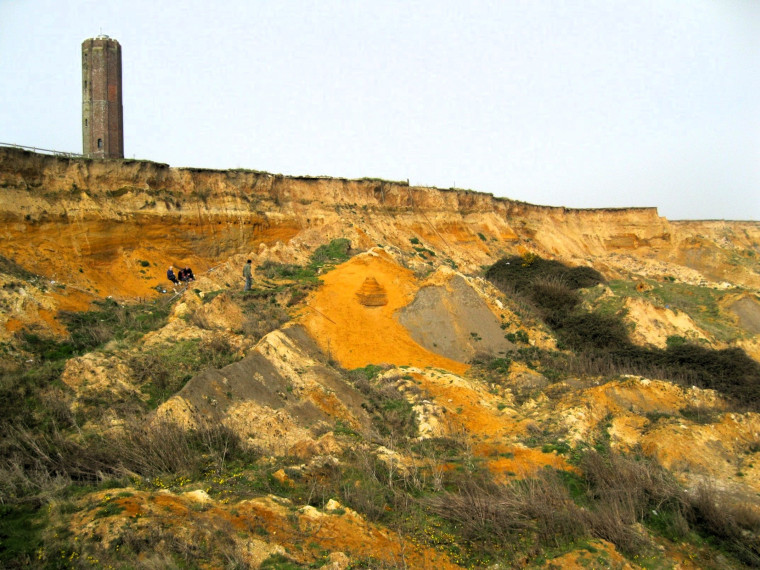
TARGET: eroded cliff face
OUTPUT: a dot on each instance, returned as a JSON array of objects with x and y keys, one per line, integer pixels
[
  {"x": 112, "y": 227},
  {"x": 321, "y": 380},
  {"x": 95, "y": 224}
]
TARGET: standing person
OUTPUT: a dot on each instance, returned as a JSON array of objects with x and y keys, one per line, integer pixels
[
  {"x": 170, "y": 275},
  {"x": 247, "y": 275}
]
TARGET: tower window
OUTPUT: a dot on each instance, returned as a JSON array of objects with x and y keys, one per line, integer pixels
[
  {"x": 100, "y": 143},
  {"x": 85, "y": 122}
]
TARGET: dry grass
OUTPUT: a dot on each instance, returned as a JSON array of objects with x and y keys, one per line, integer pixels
[
  {"x": 36, "y": 463},
  {"x": 526, "y": 515}
]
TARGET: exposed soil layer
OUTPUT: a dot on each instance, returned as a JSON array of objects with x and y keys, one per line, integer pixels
[
  {"x": 272, "y": 397},
  {"x": 453, "y": 321},
  {"x": 357, "y": 335},
  {"x": 748, "y": 311}
]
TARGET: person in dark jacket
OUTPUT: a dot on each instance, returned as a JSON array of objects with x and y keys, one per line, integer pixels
[
  {"x": 171, "y": 277},
  {"x": 247, "y": 275},
  {"x": 189, "y": 274}
]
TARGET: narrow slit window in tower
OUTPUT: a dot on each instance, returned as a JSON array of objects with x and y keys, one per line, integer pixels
[{"x": 100, "y": 143}]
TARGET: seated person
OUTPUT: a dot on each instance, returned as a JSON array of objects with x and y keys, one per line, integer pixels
[
  {"x": 170, "y": 275},
  {"x": 189, "y": 274},
  {"x": 182, "y": 275}
]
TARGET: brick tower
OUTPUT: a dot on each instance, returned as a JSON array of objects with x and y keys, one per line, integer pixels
[{"x": 102, "y": 114}]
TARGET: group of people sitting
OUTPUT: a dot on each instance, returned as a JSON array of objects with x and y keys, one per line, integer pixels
[{"x": 183, "y": 275}]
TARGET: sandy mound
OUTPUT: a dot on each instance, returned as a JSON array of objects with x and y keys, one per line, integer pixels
[
  {"x": 254, "y": 529},
  {"x": 272, "y": 397},
  {"x": 371, "y": 293}
]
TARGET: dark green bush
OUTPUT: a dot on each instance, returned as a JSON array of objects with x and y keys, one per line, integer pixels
[
  {"x": 521, "y": 272},
  {"x": 553, "y": 296},
  {"x": 337, "y": 251}
]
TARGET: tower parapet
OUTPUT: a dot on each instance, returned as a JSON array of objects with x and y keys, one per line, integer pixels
[{"x": 102, "y": 112}]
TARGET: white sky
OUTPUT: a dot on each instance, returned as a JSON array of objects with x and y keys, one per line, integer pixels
[{"x": 579, "y": 103}]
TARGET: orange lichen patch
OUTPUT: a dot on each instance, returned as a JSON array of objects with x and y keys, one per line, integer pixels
[
  {"x": 356, "y": 335},
  {"x": 347, "y": 532},
  {"x": 583, "y": 413},
  {"x": 637, "y": 396},
  {"x": 132, "y": 506},
  {"x": 626, "y": 431},
  {"x": 473, "y": 411},
  {"x": 331, "y": 405},
  {"x": 282, "y": 478},
  {"x": 371, "y": 293}
]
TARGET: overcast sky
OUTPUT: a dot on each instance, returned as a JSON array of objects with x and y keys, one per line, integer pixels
[{"x": 579, "y": 103}]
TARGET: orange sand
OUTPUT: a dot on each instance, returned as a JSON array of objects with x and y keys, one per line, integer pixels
[
  {"x": 488, "y": 428},
  {"x": 356, "y": 335}
]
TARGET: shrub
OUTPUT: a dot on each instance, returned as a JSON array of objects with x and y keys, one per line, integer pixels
[
  {"x": 140, "y": 448},
  {"x": 553, "y": 296},
  {"x": 334, "y": 252},
  {"x": 90, "y": 329},
  {"x": 164, "y": 370},
  {"x": 262, "y": 316},
  {"x": 275, "y": 270},
  {"x": 522, "y": 272},
  {"x": 391, "y": 412},
  {"x": 583, "y": 331},
  {"x": 734, "y": 525}
]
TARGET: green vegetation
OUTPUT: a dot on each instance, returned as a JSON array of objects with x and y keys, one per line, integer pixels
[
  {"x": 600, "y": 340},
  {"x": 446, "y": 499},
  {"x": 20, "y": 533},
  {"x": 702, "y": 304},
  {"x": 392, "y": 413},
  {"x": 434, "y": 493},
  {"x": 325, "y": 256},
  {"x": 323, "y": 259},
  {"x": 164, "y": 370},
  {"x": 521, "y": 273}
]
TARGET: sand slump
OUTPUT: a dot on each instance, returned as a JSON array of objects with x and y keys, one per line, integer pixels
[
  {"x": 355, "y": 334},
  {"x": 271, "y": 396},
  {"x": 370, "y": 310},
  {"x": 453, "y": 321},
  {"x": 748, "y": 311}
]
